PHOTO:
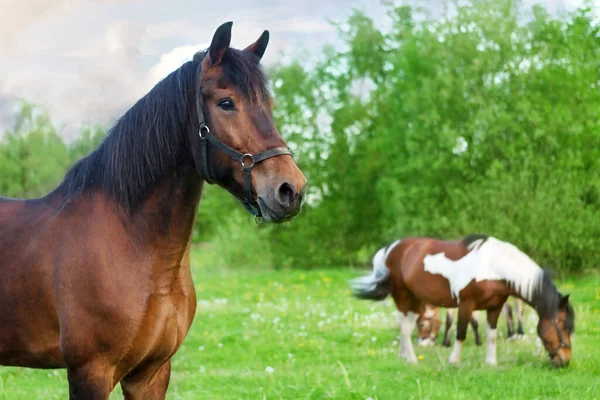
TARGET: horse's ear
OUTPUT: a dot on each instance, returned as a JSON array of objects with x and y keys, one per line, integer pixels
[
  {"x": 220, "y": 43},
  {"x": 564, "y": 300},
  {"x": 258, "y": 48}
]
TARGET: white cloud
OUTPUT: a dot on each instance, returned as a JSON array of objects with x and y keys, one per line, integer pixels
[
  {"x": 172, "y": 60},
  {"x": 89, "y": 60}
]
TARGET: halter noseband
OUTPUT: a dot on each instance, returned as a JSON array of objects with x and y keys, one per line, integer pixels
[
  {"x": 246, "y": 160},
  {"x": 561, "y": 341}
]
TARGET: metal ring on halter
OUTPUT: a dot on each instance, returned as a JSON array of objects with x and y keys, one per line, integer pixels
[
  {"x": 204, "y": 127},
  {"x": 243, "y": 160}
]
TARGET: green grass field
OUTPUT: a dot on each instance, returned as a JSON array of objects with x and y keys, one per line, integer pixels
[{"x": 299, "y": 335}]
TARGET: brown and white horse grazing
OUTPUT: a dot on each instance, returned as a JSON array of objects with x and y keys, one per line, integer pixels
[
  {"x": 96, "y": 275},
  {"x": 476, "y": 273},
  {"x": 429, "y": 325}
]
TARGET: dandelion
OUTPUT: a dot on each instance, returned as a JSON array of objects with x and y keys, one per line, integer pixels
[
  {"x": 269, "y": 370},
  {"x": 420, "y": 357}
]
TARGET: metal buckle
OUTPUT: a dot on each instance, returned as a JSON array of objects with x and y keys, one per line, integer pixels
[
  {"x": 203, "y": 127},
  {"x": 244, "y": 158}
]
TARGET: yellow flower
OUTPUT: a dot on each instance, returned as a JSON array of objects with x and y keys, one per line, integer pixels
[{"x": 420, "y": 357}]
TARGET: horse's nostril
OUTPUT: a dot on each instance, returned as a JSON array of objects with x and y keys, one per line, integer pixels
[{"x": 286, "y": 194}]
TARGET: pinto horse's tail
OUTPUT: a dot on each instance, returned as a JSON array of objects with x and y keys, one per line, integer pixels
[{"x": 376, "y": 286}]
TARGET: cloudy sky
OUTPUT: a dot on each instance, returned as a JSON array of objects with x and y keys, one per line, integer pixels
[{"x": 87, "y": 61}]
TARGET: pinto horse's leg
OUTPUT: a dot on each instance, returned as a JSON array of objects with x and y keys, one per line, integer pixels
[
  {"x": 145, "y": 385},
  {"x": 89, "y": 382},
  {"x": 492, "y": 334},
  {"x": 510, "y": 326},
  {"x": 409, "y": 309},
  {"x": 475, "y": 326},
  {"x": 449, "y": 318},
  {"x": 465, "y": 310},
  {"x": 407, "y": 322},
  {"x": 519, "y": 306}
]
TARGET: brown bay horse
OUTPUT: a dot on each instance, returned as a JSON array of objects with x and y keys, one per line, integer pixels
[
  {"x": 476, "y": 273},
  {"x": 429, "y": 324},
  {"x": 96, "y": 275}
]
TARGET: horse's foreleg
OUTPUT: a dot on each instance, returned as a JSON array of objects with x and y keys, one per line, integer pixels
[
  {"x": 475, "y": 326},
  {"x": 150, "y": 384},
  {"x": 510, "y": 326},
  {"x": 89, "y": 382},
  {"x": 465, "y": 309},
  {"x": 519, "y": 306},
  {"x": 492, "y": 334},
  {"x": 449, "y": 318}
]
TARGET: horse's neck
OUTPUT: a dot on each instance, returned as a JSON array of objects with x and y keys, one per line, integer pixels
[{"x": 168, "y": 214}]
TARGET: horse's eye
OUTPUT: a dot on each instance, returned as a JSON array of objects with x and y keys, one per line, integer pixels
[{"x": 227, "y": 105}]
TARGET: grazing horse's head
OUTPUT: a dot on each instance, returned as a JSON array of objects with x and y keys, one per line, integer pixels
[
  {"x": 428, "y": 325},
  {"x": 555, "y": 332},
  {"x": 243, "y": 151}
]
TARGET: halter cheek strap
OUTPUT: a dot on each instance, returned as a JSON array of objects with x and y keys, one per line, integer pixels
[
  {"x": 561, "y": 341},
  {"x": 246, "y": 160}
]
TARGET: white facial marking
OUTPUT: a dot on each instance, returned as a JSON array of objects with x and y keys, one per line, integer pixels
[
  {"x": 490, "y": 260},
  {"x": 430, "y": 312}
]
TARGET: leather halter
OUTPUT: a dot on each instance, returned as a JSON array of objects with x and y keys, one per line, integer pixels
[
  {"x": 246, "y": 160},
  {"x": 561, "y": 342}
]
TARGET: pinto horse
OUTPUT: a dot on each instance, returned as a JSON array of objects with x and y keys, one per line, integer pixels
[
  {"x": 428, "y": 324},
  {"x": 96, "y": 275},
  {"x": 476, "y": 273}
]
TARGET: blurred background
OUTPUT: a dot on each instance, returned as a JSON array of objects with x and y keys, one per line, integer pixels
[{"x": 426, "y": 118}]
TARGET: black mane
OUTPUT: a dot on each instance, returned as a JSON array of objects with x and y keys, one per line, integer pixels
[
  {"x": 151, "y": 139},
  {"x": 546, "y": 300},
  {"x": 474, "y": 237}
]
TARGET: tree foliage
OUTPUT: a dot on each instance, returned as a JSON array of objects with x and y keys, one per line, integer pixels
[{"x": 479, "y": 121}]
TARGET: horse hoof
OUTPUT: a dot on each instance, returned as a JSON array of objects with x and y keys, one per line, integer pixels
[{"x": 446, "y": 344}]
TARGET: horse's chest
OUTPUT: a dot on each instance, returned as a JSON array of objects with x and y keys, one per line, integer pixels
[{"x": 167, "y": 320}]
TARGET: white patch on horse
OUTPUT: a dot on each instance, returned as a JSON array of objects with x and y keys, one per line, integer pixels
[
  {"x": 492, "y": 336},
  {"x": 455, "y": 356},
  {"x": 491, "y": 259}
]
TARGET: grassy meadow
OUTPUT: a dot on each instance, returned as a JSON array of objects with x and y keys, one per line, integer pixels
[{"x": 300, "y": 335}]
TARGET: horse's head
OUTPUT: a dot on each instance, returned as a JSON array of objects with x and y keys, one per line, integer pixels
[
  {"x": 239, "y": 147},
  {"x": 428, "y": 325},
  {"x": 555, "y": 332}
]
